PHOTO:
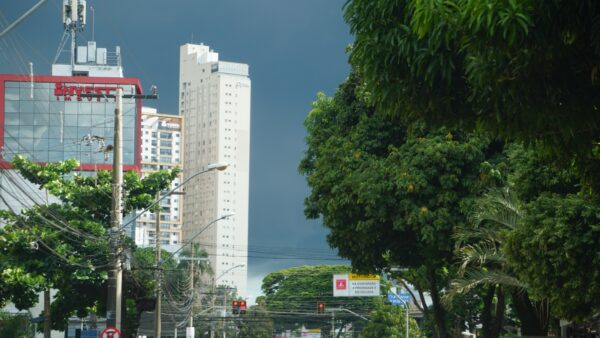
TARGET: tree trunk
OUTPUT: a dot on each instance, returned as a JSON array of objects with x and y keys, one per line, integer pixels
[
  {"x": 47, "y": 320},
  {"x": 439, "y": 313},
  {"x": 423, "y": 302},
  {"x": 486, "y": 314},
  {"x": 530, "y": 323},
  {"x": 496, "y": 328}
]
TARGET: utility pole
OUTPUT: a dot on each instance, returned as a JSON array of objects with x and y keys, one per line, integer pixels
[
  {"x": 225, "y": 313},
  {"x": 115, "y": 274},
  {"x": 214, "y": 296},
  {"x": 157, "y": 311},
  {"x": 332, "y": 323},
  {"x": 190, "y": 331}
]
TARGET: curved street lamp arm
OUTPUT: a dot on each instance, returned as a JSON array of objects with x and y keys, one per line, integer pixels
[
  {"x": 211, "y": 167},
  {"x": 226, "y": 271},
  {"x": 196, "y": 235},
  {"x": 352, "y": 312}
]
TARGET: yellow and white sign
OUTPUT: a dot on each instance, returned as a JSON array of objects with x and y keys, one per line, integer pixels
[
  {"x": 355, "y": 285},
  {"x": 355, "y": 276}
]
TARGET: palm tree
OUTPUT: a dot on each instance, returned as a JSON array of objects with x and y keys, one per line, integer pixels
[{"x": 484, "y": 265}]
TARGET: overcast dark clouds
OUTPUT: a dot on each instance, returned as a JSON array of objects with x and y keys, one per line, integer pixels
[{"x": 294, "y": 49}]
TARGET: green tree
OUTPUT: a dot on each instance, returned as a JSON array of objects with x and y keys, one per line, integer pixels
[
  {"x": 292, "y": 296},
  {"x": 389, "y": 321},
  {"x": 391, "y": 193},
  {"x": 526, "y": 239},
  {"x": 64, "y": 245},
  {"x": 525, "y": 70},
  {"x": 484, "y": 267},
  {"x": 555, "y": 251},
  {"x": 15, "y": 326},
  {"x": 141, "y": 279}
]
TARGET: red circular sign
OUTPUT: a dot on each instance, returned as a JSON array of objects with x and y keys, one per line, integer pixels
[{"x": 110, "y": 332}]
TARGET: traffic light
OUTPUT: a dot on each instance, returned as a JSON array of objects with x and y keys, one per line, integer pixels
[
  {"x": 243, "y": 307},
  {"x": 235, "y": 307},
  {"x": 320, "y": 307}
]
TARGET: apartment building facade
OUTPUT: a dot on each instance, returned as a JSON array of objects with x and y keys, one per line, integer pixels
[
  {"x": 161, "y": 148},
  {"x": 215, "y": 102}
]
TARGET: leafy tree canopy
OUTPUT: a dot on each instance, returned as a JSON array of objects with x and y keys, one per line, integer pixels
[
  {"x": 555, "y": 250},
  {"x": 65, "y": 245},
  {"x": 392, "y": 193},
  {"x": 389, "y": 321},
  {"x": 525, "y": 70}
]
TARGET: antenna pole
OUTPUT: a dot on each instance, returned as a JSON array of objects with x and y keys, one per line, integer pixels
[{"x": 93, "y": 21}]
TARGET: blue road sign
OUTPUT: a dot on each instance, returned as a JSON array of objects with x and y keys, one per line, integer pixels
[
  {"x": 89, "y": 334},
  {"x": 401, "y": 299}
]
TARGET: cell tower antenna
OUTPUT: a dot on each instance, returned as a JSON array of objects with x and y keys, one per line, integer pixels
[{"x": 74, "y": 20}]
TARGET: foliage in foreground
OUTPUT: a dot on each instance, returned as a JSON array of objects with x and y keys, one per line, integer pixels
[
  {"x": 64, "y": 245},
  {"x": 522, "y": 70},
  {"x": 391, "y": 193}
]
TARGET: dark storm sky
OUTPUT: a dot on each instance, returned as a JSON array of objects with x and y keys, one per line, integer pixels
[{"x": 294, "y": 49}]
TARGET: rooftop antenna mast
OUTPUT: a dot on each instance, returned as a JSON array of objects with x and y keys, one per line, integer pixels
[{"x": 74, "y": 19}]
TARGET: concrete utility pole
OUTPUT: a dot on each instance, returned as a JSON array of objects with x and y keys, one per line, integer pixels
[
  {"x": 333, "y": 323},
  {"x": 190, "y": 331},
  {"x": 157, "y": 311},
  {"x": 115, "y": 274}
]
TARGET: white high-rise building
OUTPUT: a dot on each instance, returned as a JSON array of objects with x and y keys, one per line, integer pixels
[
  {"x": 215, "y": 102},
  {"x": 161, "y": 149}
]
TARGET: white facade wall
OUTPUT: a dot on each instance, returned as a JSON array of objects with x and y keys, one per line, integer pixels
[
  {"x": 162, "y": 144},
  {"x": 215, "y": 102}
]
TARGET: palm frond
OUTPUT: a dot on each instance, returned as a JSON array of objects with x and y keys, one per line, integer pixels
[{"x": 476, "y": 277}]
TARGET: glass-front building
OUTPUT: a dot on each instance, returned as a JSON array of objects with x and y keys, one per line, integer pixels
[{"x": 48, "y": 119}]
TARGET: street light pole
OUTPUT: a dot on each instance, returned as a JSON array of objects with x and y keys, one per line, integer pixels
[
  {"x": 405, "y": 304},
  {"x": 158, "y": 309},
  {"x": 190, "y": 332}
]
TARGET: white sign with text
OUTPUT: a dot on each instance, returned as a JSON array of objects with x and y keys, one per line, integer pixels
[{"x": 354, "y": 285}]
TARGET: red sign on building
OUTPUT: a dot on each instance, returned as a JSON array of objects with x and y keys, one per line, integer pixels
[{"x": 68, "y": 92}]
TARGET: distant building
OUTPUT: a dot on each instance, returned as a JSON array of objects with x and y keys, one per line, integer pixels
[
  {"x": 214, "y": 99},
  {"x": 162, "y": 137}
]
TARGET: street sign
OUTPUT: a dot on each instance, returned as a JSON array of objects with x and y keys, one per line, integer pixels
[
  {"x": 355, "y": 285},
  {"x": 110, "y": 332},
  {"x": 89, "y": 334},
  {"x": 398, "y": 299}
]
